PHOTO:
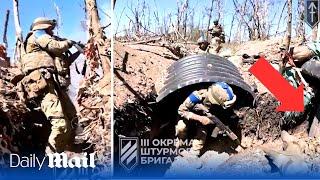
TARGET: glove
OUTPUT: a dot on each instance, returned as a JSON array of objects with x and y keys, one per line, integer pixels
[
  {"x": 201, "y": 107},
  {"x": 202, "y": 119},
  {"x": 71, "y": 42}
]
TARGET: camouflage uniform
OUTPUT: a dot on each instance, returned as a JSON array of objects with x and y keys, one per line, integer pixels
[
  {"x": 202, "y": 41},
  {"x": 217, "y": 38},
  {"x": 196, "y": 106},
  {"x": 62, "y": 63},
  {"x": 200, "y": 51},
  {"x": 39, "y": 83}
]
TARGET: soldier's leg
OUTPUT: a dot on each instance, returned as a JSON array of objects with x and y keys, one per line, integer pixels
[
  {"x": 214, "y": 46},
  {"x": 199, "y": 140},
  {"x": 71, "y": 115},
  {"x": 52, "y": 108},
  {"x": 181, "y": 132},
  {"x": 219, "y": 45}
]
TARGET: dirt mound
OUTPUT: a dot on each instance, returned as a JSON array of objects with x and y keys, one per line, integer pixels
[
  {"x": 262, "y": 122},
  {"x": 139, "y": 71}
]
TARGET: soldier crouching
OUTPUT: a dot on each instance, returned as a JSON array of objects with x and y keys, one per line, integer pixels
[{"x": 196, "y": 108}]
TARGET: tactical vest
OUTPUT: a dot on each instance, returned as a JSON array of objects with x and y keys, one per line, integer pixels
[
  {"x": 36, "y": 57},
  {"x": 216, "y": 31},
  {"x": 63, "y": 70}
]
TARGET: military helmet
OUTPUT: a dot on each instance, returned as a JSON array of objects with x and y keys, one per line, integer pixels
[
  {"x": 42, "y": 23},
  {"x": 221, "y": 93}
]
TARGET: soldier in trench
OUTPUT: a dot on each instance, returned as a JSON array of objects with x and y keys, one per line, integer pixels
[
  {"x": 303, "y": 54},
  {"x": 218, "y": 37},
  {"x": 195, "y": 109},
  {"x": 41, "y": 84},
  {"x": 203, "y": 46}
]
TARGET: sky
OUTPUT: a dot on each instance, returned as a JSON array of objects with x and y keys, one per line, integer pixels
[
  {"x": 72, "y": 13},
  {"x": 164, "y": 7}
]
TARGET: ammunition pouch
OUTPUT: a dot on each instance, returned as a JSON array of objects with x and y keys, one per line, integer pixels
[
  {"x": 63, "y": 71},
  {"x": 36, "y": 60},
  {"x": 215, "y": 34},
  {"x": 35, "y": 83}
]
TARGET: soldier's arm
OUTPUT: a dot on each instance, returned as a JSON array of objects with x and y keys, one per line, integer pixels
[
  {"x": 54, "y": 46},
  {"x": 186, "y": 108}
]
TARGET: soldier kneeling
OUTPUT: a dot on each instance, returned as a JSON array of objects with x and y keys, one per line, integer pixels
[{"x": 196, "y": 108}]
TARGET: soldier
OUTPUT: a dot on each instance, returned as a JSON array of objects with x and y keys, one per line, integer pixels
[
  {"x": 195, "y": 110},
  {"x": 40, "y": 81},
  {"x": 217, "y": 37},
  {"x": 306, "y": 52},
  {"x": 203, "y": 46},
  {"x": 305, "y": 56}
]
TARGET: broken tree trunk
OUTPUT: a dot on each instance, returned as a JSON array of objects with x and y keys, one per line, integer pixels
[
  {"x": 5, "y": 40},
  {"x": 19, "y": 50},
  {"x": 56, "y": 7},
  {"x": 300, "y": 28},
  {"x": 209, "y": 17},
  {"x": 185, "y": 7},
  {"x": 287, "y": 39},
  {"x": 96, "y": 33},
  {"x": 93, "y": 96}
]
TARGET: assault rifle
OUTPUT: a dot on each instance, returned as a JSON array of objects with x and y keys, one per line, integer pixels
[
  {"x": 79, "y": 46},
  {"x": 222, "y": 127}
]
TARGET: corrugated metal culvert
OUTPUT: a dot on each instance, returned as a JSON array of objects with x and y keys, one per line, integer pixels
[{"x": 199, "y": 71}]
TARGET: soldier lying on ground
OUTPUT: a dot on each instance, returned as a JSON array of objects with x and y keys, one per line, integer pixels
[
  {"x": 40, "y": 82},
  {"x": 289, "y": 67},
  {"x": 304, "y": 53},
  {"x": 194, "y": 111}
]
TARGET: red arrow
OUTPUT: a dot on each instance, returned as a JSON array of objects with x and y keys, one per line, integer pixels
[{"x": 291, "y": 99}]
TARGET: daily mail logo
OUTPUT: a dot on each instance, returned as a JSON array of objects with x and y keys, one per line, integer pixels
[{"x": 128, "y": 154}]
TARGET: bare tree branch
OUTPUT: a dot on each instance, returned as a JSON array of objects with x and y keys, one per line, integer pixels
[{"x": 5, "y": 40}]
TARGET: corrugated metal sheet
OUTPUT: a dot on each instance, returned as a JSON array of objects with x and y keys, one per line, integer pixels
[{"x": 198, "y": 69}]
